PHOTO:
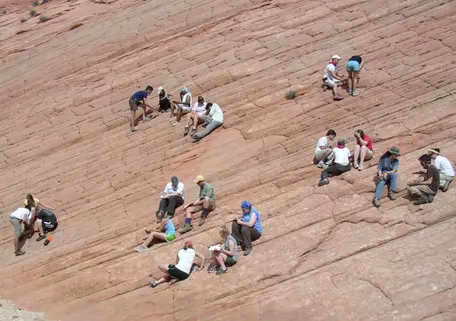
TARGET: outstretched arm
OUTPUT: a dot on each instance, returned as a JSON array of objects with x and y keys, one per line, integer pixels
[{"x": 202, "y": 258}]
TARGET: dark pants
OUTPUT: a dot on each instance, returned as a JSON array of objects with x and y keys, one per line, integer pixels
[
  {"x": 170, "y": 204},
  {"x": 335, "y": 169},
  {"x": 244, "y": 235}
]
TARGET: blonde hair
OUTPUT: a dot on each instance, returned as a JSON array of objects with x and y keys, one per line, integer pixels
[{"x": 224, "y": 231}]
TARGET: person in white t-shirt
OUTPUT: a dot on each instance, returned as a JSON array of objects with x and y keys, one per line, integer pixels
[
  {"x": 17, "y": 218},
  {"x": 184, "y": 265},
  {"x": 213, "y": 120},
  {"x": 331, "y": 78},
  {"x": 444, "y": 166},
  {"x": 180, "y": 108},
  {"x": 171, "y": 198},
  {"x": 323, "y": 152},
  {"x": 340, "y": 165},
  {"x": 197, "y": 116}
]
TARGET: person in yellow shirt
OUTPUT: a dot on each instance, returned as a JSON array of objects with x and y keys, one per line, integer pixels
[{"x": 34, "y": 206}]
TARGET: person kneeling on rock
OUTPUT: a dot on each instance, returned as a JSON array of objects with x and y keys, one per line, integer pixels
[
  {"x": 184, "y": 265},
  {"x": 166, "y": 232},
  {"x": 45, "y": 222},
  {"x": 426, "y": 189},
  {"x": 248, "y": 228},
  {"x": 340, "y": 165}
]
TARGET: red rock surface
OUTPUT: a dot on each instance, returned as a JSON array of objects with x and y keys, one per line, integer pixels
[{"x": 326, "y": 253}]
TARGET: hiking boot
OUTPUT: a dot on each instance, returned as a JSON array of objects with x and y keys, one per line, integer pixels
[
  {"x": 19, "y": 252},
  {"x": 160, "y": 215},
  {"x": 354, "y": 93},
  {"x": 422, "y": 200},
  {"x": 147, "y": 119},
  {"x": 391, "y": 195},
  {"x": 169, "y": 216},
  {"x": 186, "y": 228},
  {"x": 196, "y": 138},
  {"x": 212, "y": 268},
  {"x": 202, "y": 221},
  {"x": 134, "y": 129},
  {"x": 186, "y": 129},
  {"x": 338, "y": 97},
  {"x": 323, "y": 182},
  {"x": 221, "y": 271},
  {"x": 430, "y": 198},
  {"x": 247, "y": 251},
  {"x": 376, "y": 202},
  {"x": 320, "y": 164},
  {"x": 41, "y": 237},
  {"x": 153, "y": 284},
  {"x": 445, "y": 186}
]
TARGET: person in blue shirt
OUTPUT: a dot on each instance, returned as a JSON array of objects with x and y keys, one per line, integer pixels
[
  {"x": 139, "y": 100},
  {"x": 167, "y": 233},
  {"x": 388, "y": 166},
  {"x": 248, "y": 228}
]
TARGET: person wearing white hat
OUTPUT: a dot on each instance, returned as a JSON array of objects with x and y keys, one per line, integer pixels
[
  {"x": 444, "y": 166},
  {"x": 331, "y": 79},
  {"x": 164, "y": 103}
]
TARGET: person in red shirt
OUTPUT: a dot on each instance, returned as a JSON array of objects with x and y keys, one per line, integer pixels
[{"x": 363, "y": 150}]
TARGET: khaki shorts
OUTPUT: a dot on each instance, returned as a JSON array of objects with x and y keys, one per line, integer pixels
[
  {"x": 199, "y": 208},
  {"x": 185, "y": 109},
  {"x": 133, "y": 105},
  {"x": 16, "y": 225}
]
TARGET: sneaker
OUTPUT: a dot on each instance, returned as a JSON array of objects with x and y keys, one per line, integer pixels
[
  {"x": 422, "y": 200},
  {"x": 194, "y": 131},
  {"x": 320, "y": 164},
  {"x": 147, "y": 119},
  {"x": 196, "y": 138},
  {"x": 141, "y": 248},
  {"x": 173, "y": 281},
  {"x": 325, "y": 166},
  {"x": 354, "y": 93},
  {"x": 355, "y": 165},
  {"x": 338, "y": 97},
  {"x": 186, "y": 129},
  {"x": 360, "y": 167},
  {"x": 212, "y": 268},
  {"x": 445, "y": 186},
  {"x": 171, "y": 119},
  {"x": 221, "y": 271},
  {"x": 153, "y": 284},
  {"x": 323, "y": 182},
  {"x": 19, "y": 252},
  {"x": 169, "y": 216},
  {"x": 376, "y": 202},
  {"x": 430, "y": 198},
  {"x": 391, "y": 195},
  {"x": 247, "y": 251},
  {"x": 160, "y": 215},
  {"x": 175, "y": 123},
  {"x": 134, "y": 129},
  {"x": 202, "y": 220},
  {"x": 186, "y": 228},
  {"x": 41, "y": 237}
]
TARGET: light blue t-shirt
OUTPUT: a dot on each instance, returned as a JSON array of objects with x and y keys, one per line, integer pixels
[
  {"x": 246, "y": 218},
  {"x": 169, "y": 228}
]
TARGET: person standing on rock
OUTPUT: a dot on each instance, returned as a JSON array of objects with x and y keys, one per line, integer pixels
[
  {"x": 444, "y": 166},
  {"x": 388, "y": 165},
  {"x": 205, "y": 203},
  {"x": 354, "y": 65},
  {"x": 426, "y": 189},
  {"x": 213, "y": 120},
  {"x": 166, "y": 232},
  {"x": 331, "y": 78},
  {"x": 363, "y": 150},
  {"x": 197, "y": 116},
  {"x": 340, "y": 165},
  {"x": 139, "y": 100},
  {"x": 171, "y": 199},
  {"x": 180, "y": 108},
  {"x": 184, "y": 265},
  {"x": 248, "y": 228},
  {"x": 323, "y": 153},
  {"x": 21, "y": 216}
]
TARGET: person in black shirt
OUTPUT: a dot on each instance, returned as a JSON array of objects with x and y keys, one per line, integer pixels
[
  {"x": 46, "y": 222},
  {"x": 426, "y": 189},
  {"x": 354, "y": 65},
  {"x": 163, "y": 100}
]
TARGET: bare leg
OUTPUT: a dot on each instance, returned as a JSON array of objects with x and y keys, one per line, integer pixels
[
  {"x": 188, "y": 212},
  {"x": 39, "y": 226},
  {"x": 179, "y": 114},
  {"x": 356, "y": 156},
  {"x": 363, "y": 155},
  {"x": 350, "y": 81},
  {"x": 354, "y": 74},
  {"x": 156, "y": 236},
  {"x": 166, "y": 277},
  {"x": 132, "y": 118},
  {"x": 221, "y": 258}
]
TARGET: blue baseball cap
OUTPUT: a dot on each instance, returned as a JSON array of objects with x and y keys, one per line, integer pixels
[{"x": 246, "y": 204}]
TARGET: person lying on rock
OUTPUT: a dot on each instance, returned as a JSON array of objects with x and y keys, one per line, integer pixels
[
  {"x": 323, "y": 153},
  {"x": 205, "y": 203},
  {"x": 248, "y": 228},
  {"x": 197, "y": 116},
  {"x": 180, "y": 108},
  {"x": 21, "y": 216},
  {"x": 166, "y": 232},
  {"x": 444, "y": 166},
  {"x": 45, "y": 222},
  {"x": 171, "y": 198},
  {"x": 138, "y": 99},
  {"x": 340, "y": 165},
  {"x": 164, "y": 102},
  {"x": 354, "y": 65},
  {"x": 184, "y": 265},
  {"x": 331, "y": 78},
  {"x": 388, "y": 165},
  {"x": 425, "y": 189},
  {"x": 225, "y": 256},
  {"x": 363, "y": 149},
  {"x": 212, "y": 121}
]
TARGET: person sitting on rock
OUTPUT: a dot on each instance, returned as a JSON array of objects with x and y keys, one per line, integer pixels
[
  {"x": 197, "y": 115},
  {"x": 171, "y": 198},
  {"x": 213, "y": 120},
  {"x": 164, "y": 103},
  {"x": 444, "y": 166},
  {"x": 354, "y": 65},
  {"x": 340, "y": 165},
  {"x": 34, "y": 205},
  {"x": 46, "y": 222},
  {"x": 139, "y": 100},
  {"x": 166, "y": 232},
  {"x": 205, "y": 203},
  {"x": 248, "y": 228},
  {"x": 180, "y": 108},
  {"x": 21, "y": 216},
  {"x": 323, "y": 153},
  {"x": 426, "y": 189},
  {"x": 388, "y": 165},
  {"x": 184, "y": 265},
  {"x": 363, "y": 149},
  {"x": 225, "y": 256},
  {"x": 331, "y": 79}
]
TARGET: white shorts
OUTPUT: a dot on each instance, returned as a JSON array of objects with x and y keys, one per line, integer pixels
[
  {"x": 185, "y": 109},
  {"x": 331, "y": 83}
]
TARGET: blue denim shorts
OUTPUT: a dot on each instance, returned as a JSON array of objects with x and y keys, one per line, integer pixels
[{"x": 352, "y": 65}]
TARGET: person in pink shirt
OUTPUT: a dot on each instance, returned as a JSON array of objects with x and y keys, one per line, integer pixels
[{"x": 363, "y": 150}]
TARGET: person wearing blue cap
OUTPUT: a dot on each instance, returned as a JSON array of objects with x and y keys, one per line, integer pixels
[{"x": 248, "y": 228}]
